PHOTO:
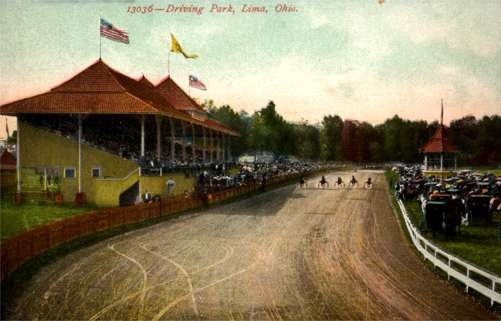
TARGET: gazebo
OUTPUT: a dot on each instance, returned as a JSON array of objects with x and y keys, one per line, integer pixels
[{"x": 440, "y": 153}]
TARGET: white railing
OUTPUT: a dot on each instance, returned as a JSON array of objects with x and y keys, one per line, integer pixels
[
  {"x": 121, "y": 178},
  {"x": 452, "y": 265}
]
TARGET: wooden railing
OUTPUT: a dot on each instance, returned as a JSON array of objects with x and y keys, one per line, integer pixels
[{"x": 21, "y": 248}]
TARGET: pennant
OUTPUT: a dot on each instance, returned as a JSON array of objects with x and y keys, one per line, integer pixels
[{"x": 176, "y": 47}]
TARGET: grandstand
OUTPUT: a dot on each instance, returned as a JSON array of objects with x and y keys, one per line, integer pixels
[{"x": 96, "y": 135}]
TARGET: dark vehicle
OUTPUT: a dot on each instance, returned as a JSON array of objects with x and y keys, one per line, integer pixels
[
  {"x": 435, "y": 214},
  {"x": 477, "y": 209},
  {"x": 443, "y": 216}
]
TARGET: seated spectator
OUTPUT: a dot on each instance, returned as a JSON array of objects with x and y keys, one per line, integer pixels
[{"x": 147, "y": 197}]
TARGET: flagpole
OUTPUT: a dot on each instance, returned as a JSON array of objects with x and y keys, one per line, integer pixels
[
  {"x": 168, "y": 63},
  {"x": 99, "y": 38}
]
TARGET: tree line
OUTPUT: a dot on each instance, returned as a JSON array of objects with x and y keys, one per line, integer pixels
[{"x": 335, "y": 139}]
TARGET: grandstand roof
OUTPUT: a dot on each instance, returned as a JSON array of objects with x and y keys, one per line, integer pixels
[
  {"x": 99, "y": 89},
  {"x": 439, "y": 142},
  {"x": 175, "y": 95}
]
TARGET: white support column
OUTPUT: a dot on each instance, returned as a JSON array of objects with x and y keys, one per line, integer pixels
[
  {"x": 218, "y": 147},
  {"x": 204, "y": 150},
  {"x": 79, "y": 153},
  {"x": 425, "y": 162},
  {"x": 224, "y": 147},
  {"x": 211, "y": 146},
  {"x": 18, "y": 155},
  {"x": 183, "y": 143},
  {"x": 142, "y": 135},
  {"x": 441, "y": 161},
  {"x": 172, "y": 140},
  {"x": 158, "y": 120},
  {"x": 193, "y": 150}
]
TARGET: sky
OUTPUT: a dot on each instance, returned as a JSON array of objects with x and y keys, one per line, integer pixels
[{"x": 357, "y": 59}]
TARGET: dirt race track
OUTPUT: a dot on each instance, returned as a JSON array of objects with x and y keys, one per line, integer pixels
[{"x": 291, "y": 254}]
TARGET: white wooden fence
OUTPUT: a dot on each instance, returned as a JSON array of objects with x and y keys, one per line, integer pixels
[{"x": 471, "y": 276}]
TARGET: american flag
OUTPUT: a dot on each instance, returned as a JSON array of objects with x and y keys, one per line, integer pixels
[
  {"x": 111, "y": 32},
  {"x": 195, "y": 83}
]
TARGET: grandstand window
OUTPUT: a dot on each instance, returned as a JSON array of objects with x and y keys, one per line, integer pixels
[
  {"x": 96, "y": 172},
  {"x": 70, "y": 172}
]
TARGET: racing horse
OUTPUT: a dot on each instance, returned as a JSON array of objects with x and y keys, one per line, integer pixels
[
  {"x": 368, "y": 184},
  {"x": 302, "y": 182},
  {"x": 353, "y": 182},
  {"x": 339, "y": 183},
  {"x": 323, "y": 183}
]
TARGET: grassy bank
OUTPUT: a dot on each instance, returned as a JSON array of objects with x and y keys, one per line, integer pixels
[
  {"x": 16, "y": 219},
  {"x": 478, "y": 245}
]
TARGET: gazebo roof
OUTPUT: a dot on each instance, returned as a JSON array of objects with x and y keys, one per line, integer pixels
[
  {"x": 99, "y": 89},
  {"x": 439, "y": 142}
]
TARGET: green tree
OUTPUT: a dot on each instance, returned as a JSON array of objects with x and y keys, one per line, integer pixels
[{"x": 330, "y": 138}]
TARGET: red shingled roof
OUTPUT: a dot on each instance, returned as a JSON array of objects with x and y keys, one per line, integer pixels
[
  {"x": 439, "y": 142},
  {"x": 81, "y": 103},
  {"x": 98, "y": 77},
  {"x": 175, "y": 95},
  {"x": 99, "y": 89}
]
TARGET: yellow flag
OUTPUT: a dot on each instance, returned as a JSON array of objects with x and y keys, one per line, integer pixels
[{"x": 176, "y": 47}]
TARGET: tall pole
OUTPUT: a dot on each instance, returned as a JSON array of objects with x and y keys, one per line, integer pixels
[
  {"x": 193, "y": 150},
  {"x": 442, "y": 113},
  {"x": 142, "y": 136},
  {"x": 18, "y": 154},
  {"x": 100, "y": 38},
  {"x": 172, "y": 140},
  {"x": 218, "y": 150},
  {"x": 230, "y": 158},
  {"x": 204, "y": 150},
  {"x": 184, "y": 140},
  {"x": 211, "y": 146},
  {"x": 224, "y": 147},
  {"x": 168, "y": 63},
  {"x": 79, "y": 153},
  {"x": 158, "y": 120}
]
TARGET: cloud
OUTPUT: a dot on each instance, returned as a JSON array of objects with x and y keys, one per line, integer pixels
[
  {"x": 301, "y": 90},
  {"x": 456, "y": 25}
]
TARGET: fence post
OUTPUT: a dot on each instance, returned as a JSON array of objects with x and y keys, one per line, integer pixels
[
  {"x": 449, "y": 264},
  {"x": 493, "y": 290},
  {"x": 468, "y": 277}
]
